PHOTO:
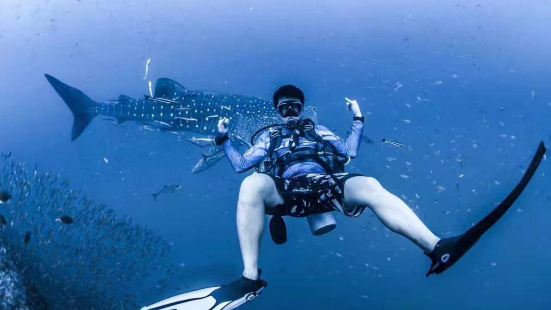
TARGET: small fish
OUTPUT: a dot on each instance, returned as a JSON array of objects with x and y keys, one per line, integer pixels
[
  {"x": 27, "y": 237},
  {"x": 4, "y": 197},
  {"x": 393, "y": 143},
  {"x": 211, "y": 116},
  {"x": 161, "y": 123},
  {"x": 3, "y": 220},
  {"x": 207, "y": 161},
  {"x": 65, "y": 219},
  {"x": 167, "y": 189},
  {"x": 201, "y": 142},
  {"x": 164, "y": 100},
  {"x": 189, "y": 119}
]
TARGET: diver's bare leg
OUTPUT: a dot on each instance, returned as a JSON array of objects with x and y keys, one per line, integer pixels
[
  {"x": 391, "y": 210},
  {"x": 257, "y": 191}
]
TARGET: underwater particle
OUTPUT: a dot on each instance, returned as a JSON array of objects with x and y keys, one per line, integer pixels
[
  {"x": 404, "y": 176},
  {"x": 65, "y": 219},
  {"x": 398, "y": 86},
  {"x": 440, "y": 189},
  {"x": 4, "y": 197},
  {"x": 3, "y": 220},
  {"x": 436, "y": 83},
  {"x": 27, "y": 237},
  {"x": 105, "y": 160}
]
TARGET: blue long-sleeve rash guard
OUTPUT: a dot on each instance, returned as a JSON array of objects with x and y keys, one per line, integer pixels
[{"x": 258, "y": 152}]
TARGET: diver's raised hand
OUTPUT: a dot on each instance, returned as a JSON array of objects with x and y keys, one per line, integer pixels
[
  {"x": 353, "y": 106},
  {"x": 223, "y": 125}
]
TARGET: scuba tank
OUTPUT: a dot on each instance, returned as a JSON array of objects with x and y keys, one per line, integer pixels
[{"x": 321, "y": 223}]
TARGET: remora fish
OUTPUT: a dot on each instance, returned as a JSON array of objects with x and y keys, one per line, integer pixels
[{"x": 207, "y": 161}]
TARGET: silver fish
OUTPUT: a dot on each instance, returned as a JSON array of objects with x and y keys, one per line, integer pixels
[
  {"x": 167, "y": 189},
  {"x": 207, "y": 161},
  {"x": 393, "y": 143}
]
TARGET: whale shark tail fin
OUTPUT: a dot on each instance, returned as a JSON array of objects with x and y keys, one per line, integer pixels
[{"x": 77, "y": 101}]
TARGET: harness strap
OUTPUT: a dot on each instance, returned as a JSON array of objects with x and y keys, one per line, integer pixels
[{"x": 325, "y": 154}]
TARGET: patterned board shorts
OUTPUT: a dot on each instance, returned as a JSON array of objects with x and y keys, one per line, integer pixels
[{"x": 313, "y": 193}]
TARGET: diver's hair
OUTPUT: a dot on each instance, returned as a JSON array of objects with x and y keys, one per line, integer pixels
[{"x": 289, "y": 91}]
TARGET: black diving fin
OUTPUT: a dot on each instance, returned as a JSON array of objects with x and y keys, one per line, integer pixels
[
  {"x": 449, "y": 250},
  {"x": 223, "y": 297}
]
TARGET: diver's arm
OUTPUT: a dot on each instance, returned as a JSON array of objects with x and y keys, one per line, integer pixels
[
  {"x": 348, "y": 147},
  {"x": 240, "y": 163},
  {"x": 351, "y": 145}
]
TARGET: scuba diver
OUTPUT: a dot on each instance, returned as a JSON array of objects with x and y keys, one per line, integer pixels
[{"x": 300, "y": 172}]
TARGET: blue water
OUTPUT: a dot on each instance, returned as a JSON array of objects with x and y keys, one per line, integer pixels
[{"x": 464, "y": 85}]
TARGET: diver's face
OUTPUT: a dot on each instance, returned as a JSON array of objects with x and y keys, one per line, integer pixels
[{"x": 289, "y": 108}]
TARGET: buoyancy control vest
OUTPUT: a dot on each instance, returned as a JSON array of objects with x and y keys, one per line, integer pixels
[{"x": 323, "y": 152}]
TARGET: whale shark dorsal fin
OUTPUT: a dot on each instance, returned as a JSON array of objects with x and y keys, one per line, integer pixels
[
  {"x": 169, "y": 89},
  {"x": 125, "y": 99}
]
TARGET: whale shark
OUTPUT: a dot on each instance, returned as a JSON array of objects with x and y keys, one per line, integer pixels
[
  {"x": 172, "y": 108},
  {"x": 176, "y": 109}
]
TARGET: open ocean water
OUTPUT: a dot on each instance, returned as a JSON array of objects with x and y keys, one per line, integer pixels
[{"x": 464, "y": 85}]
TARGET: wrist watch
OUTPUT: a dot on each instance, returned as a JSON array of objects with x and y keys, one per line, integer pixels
[{"x": 220, "y": 139}]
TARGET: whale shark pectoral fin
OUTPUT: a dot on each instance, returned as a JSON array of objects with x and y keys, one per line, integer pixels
[
  {"x": 170, "y": 89},
  {"x": 77, "y": 102}
]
